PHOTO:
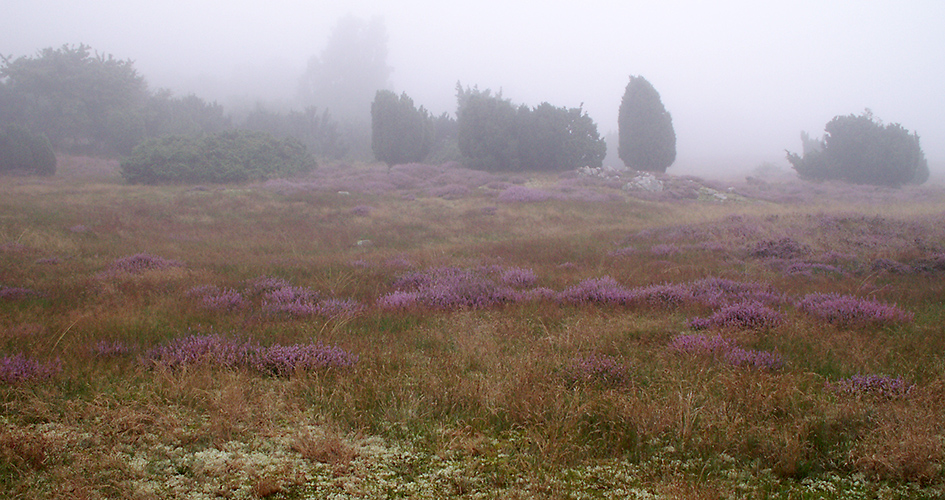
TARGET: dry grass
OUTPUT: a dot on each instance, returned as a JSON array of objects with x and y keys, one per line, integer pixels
[{"x": 455, "y": 403}]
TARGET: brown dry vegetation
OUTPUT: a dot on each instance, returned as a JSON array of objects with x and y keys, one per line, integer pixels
[{"x": 472, "y": 403}]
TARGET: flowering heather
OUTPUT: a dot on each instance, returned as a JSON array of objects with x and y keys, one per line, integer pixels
[
  {"x": 784, "y": 248},
  {"x": 872, "y": 385},
  {"x": 518, "y": 277},
  {"x": 298, "y": 301},
  {"x": 623, "y": 252},
  {"x": 698, "y": 344},
  {"x": 522, "y": 194},
  {"x": 604, "y": 290},
  {"x": 665, "y": 249},
  {"x": 362, "y": 210},
  {"x": 142, "y": 262},
  {"x": 750, "y": 315},
  {"x": 667, "y": 294},
  {"x": 18, "y": 293},
  {"x": 286, "y": 360},
  {"x": 104, "y": 349},
  {"x": 597, "y": 368},
  {"x": 449, "y": 191},
  {"x": 266, "y": 284},
  {"x": 448, "y": 288},
  {"x": 226, "y": 299},
  {"x": 891, "y": 266},
  {"x": 751, "y": 358},
  {"x": 847, "y": 310},
  {"x": 719, "y": 292},
  {"x": 725, "y": 349},
  {"x": 19, "y": 369},
  {"x": 803, "y": 268},
  {"x": 216, "y": 350}
]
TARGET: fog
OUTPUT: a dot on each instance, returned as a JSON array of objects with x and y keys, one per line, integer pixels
[{"x": 741, "y": 79}]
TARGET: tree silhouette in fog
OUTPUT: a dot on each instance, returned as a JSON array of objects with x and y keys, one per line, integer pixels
[
  {"x": 647, "y": 138},
  {"x": 349, "y": 71}
]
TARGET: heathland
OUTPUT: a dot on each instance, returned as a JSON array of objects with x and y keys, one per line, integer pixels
[{"x": 434, "y": 332}]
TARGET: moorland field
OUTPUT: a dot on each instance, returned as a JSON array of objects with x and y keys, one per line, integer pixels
[{"x": 435, "y": 332}]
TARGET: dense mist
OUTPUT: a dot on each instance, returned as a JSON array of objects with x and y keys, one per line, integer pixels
[{"x": 741, "y": 79}]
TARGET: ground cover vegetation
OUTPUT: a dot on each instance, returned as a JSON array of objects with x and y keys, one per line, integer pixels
[{"x": 430, "y": 331}]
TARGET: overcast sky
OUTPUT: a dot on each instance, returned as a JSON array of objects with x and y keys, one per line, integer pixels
[{"x": 741, "y": 78}]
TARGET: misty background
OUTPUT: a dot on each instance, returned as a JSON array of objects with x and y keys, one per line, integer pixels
[{"x": 741, "y": 79}]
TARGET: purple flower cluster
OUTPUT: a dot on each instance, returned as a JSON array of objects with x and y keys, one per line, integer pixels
[
  {"x": 362, "y": 210},
  {"x": 603, "y": 290},
  {"x": 17, "y": 293},
  {"x": 750, "y": 315},
  {"x": 104, "y": 349},
  {"x": 625, "y": 251},
  {"x": 597, "y": 368},
  {"x": 20, "y": 368},
  {"x": 142, "y": 262},
  {"x": 448, "y": 288},
  {"x": 872, "y": 385},
  {"x": 299, "y": 301},
  {"x": 519, "y": 277},
  {"x": 784, "y": 248},
  {"x": 847, "y": 310},
  {"x": 217, "y": 350},
  {"x": 215, "y": 299},
  {"x": 804, "y": 268},
  {"x": 711, "y": 292},
  {"x": 522, "y": 194},
  {"x": 722, "y": 348},
  {"x": 665, "y": 249}
]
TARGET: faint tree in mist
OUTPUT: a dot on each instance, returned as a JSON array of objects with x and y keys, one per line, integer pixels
[
  {"x": 349, "y": 71},
  {"x": 647, "y": 138},
  {"x": 400, "y": 133}
]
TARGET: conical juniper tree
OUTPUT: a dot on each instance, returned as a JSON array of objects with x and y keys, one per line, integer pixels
[
  {"x": 647, "y": 139},
  {"x": 400, "y": 133}
]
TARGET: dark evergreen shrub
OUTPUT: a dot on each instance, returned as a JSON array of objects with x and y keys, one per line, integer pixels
[
  {"x": 647, "y": 138},
  {"x": 861, "y": 150},
  {"x": 231, "y": 156},
  {"x": 400, "y": 133},
  {"x": 24, "y": 152}
]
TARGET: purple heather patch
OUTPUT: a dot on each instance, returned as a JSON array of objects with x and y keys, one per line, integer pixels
[
  {"x": 784, "y": 248},
  {"x": 872, "y": 385},
  {"x": 140, "y": 263},
  {"x": 597, "y": 368},
  {"x": 744, "y": 315},
  {"x": 448, "y": 288},
  {"x": 13, "y": 293},
  {"x": 519, "y": 277},
  {"x": 217, "y": 350},
  {"x": 604, "y": 290},
  {"x": 725, "y": 349},
  {"x": 19, "y": 369},
  {"x": 623, "y": 252},
  {"x": 665, "y": 249},
  {"x": 847, "y": 310}
]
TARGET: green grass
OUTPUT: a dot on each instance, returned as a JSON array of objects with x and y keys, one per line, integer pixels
[{"x": 459, "y": 403}]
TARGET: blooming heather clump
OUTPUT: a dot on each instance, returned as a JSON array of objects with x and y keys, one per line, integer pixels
[
  {"x": 142, "y": 262},
  {"x": 604, "y": 290},
  {"x": 750, "y": 315},
  {"x": 715, "y": 345},
  {"x": 299, "y": 301},
  {"x": 665, "y": 249},
  {"x": 872, "y": 385},
  {"x": 105, "y": 349},
  {"x": 518, "y": 277},
  {"x": 762, "y": 360},
  {"x": 891, "y": 266},
  {"x": 597, "y": 368},
  {"x": 522, "y": 194},
  {"x": 362, "y": 210},
  {"x": 623, "y": 252},
  {"x": 719, "y": 292},
  {"x": 721, "y": 348},
  {"x": 286, "y": 360},
  {"x": 17, "y": 293},
  {"x": 215, "y": 299},
  {"x": 216, "y": 350},
  {"x": 785, "y": 248},
  {"x": 448, "y": 288},
  {"x": 802, "y": 268},
  {"x": 449, "y": 191},
  {"x": 20, "y": 369},
  {"x": 847, "y": 310},
  {"x": 666, "y": 294},
  {"x": 266, "y": 284}
]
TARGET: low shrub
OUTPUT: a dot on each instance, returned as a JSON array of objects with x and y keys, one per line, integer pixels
[
  {"x": 23, "y": 152},
  {"x": 847, "y": 310},
  {"x": 231, "y": 156}
]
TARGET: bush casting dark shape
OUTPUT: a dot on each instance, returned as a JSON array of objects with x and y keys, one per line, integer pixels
[
  {"x": 494, "y": 135},
  {"x": 861, "y": 150},
  {"x": 400, "y": 133},
  {"x": 647, "y": 138},
  {"x": 232, "y": 156},
  {"x": 25, "y": 153}
]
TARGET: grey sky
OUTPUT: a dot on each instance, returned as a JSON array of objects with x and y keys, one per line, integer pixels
[{"x": 741, "y": 78}]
